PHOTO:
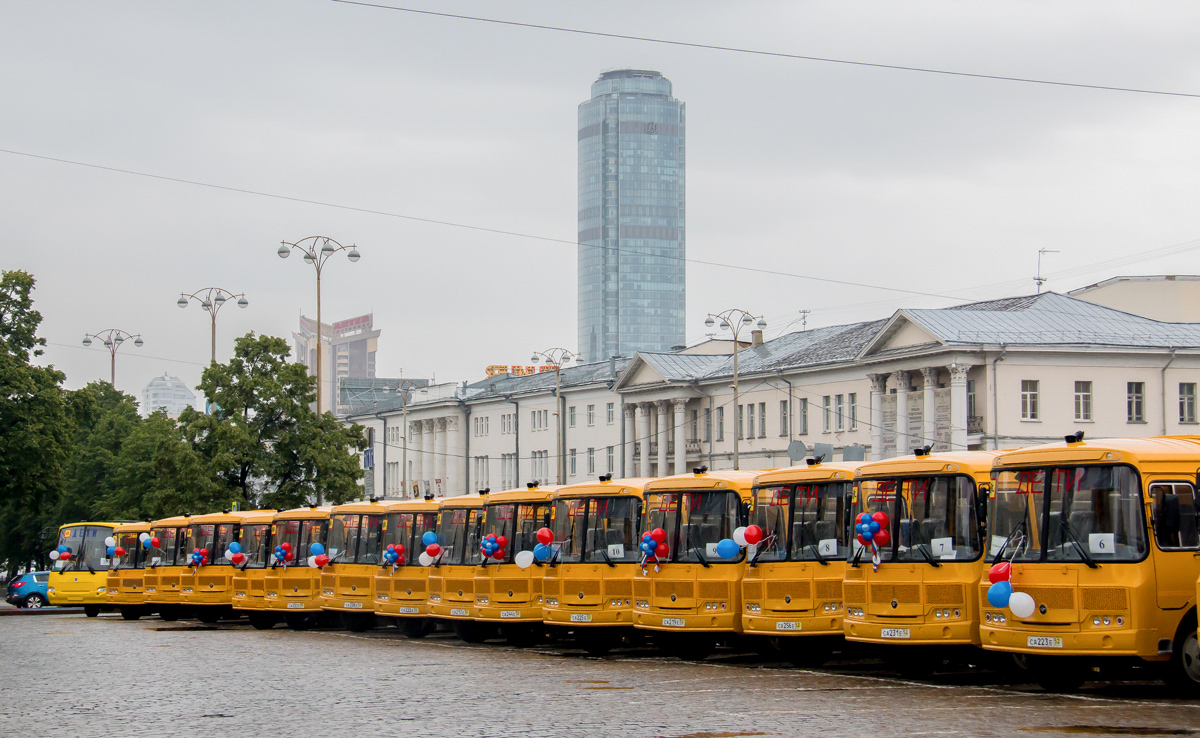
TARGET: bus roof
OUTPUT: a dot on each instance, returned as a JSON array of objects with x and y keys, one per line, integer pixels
[
  {"x": 303, "y": 513},
  {"x": 109, "y": 524},
  {"x": 142, "y": 527},
  {"x": 460, "y": 501},
  {"x": 809, "y": 473},
  {"x": 258, "y": 517},
  {"x": 529, "y": 494},
  {"x": 174, "y": 522},
  {"x": 722, "y": 479},
  {"x": 376, "y": 507},
  {"x": 233, "y": 516},
  {"x": 606, "y": 488},
  {"x": 413, "y": 506},
  {"x": 949, "y": 462},
  {"x": 1107, "y": 450}
]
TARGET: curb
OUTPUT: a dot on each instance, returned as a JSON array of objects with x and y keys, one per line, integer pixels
[{"x": 42, "y": 611}]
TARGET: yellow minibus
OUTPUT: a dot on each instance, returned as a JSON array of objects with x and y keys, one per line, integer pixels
[
  {"x": 166, "y": 564},
  {"x": 79, "y": 575},
  {"x": 206, "y": 585},
  {"x": 401, "y": 590},
  {"x": 692, "y": 598},
  {"x": 1072, "y": 521},
  {"x": 348, "y": 580},
  {"x": 914, "y": 590},
  {"x": 126, "y": 585},
  {"x": 452, "y": 565},
  {"x": 792, "y": 589},
  {"x": 293, "y": 588},
  {"x": 588, "y": 587},
  {"x": 250, "y": 569}
]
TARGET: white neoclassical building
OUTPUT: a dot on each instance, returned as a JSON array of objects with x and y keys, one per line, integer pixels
[{"x": 994, "y": 374}]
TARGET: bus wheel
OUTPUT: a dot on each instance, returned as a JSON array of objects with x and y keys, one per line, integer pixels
[
  {"x": 1183, "y": 672},
  {"x": 416, "y": 627},
  {"x": 131, "y": 613},
  {"x": 357, "y": 622},
  {"x": 1060, "y": 675},
  {"x": 262, "y": 620},
  {"x": 91, "y": 610}
]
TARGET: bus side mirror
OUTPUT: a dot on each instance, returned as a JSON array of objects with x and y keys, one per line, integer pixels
[
  {"x": 981, "y": 500},
  {"x": 745, "y": 512}
]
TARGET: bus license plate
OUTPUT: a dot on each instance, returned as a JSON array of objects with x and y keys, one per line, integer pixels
[
  {"x": 353, "y": 605},
  {"x": 894, "y": 633},
  {"x": 510, "y": 613},
  {"x": 295, "y": 605},
  {"x": 673, "y": 622},
  {"x": 581, "y": 617},
  {"x": 409, "y": 611},
  {"x": 787, "y": 625},
  {"x": 459, "y": 612},
  {"x": 1045, "y": 642}
]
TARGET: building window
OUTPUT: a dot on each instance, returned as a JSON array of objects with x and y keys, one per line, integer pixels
[
  {"x": 482, "y": 478},
  {"x": 610, "y": 413},
  {"x": 481, "y": 426},
  {"x": 783, "y": 417},
  {"x": 971, "y": 399},
  {"x": 827, "y": 412},
  {"x": 1187, "y": 402},
  {"x": 1083, "y": 400},
  {"x": 571, "y": 469},
  {"x": 591, "y": 414},
  {"x": 534, "y": 417},
  {"x": 591, "y": 461},
  {"x": 762, "y": 420},
  {"x": 707, "y": 425},
  {"x": 609, "y": 453},
  {"x": 750, "y": 419},
  {"x": 852, "y": 402},
  {"x": 1135, "y": 402},
  {"x": 839, "y": 415},
  {"x": 571, "y": 417},
  {"x": 803, "y": 416},
  {"x": 720, "y": 424},
  {"x": 1029, "y": 399},
  {"x": 695, "y": 426}
]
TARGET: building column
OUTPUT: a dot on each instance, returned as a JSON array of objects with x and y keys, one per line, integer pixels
[
  {"x": 416, "y": 442},
  {"x": 928, "y": 416},
  {"x": 440, "y": 434},
  {"x": 630, "y": 440},
  {"x": 427, "y": 459},
  {"x": 904, "y": 442},
  {"x": 878, "y": 390},
  {"x": 664, "y": 435},
  {"x": 958, "y": 406},
  {"x": 680, "y": 405},
  {"x": 643, "y": 437}
]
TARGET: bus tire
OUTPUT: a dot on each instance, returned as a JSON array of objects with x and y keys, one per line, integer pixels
[
  {"x": 1183, "y": 671},
  {"x": 262, "y": 620},
  {"x": 131, "y": 613},
  {"x": 91, "y": 611},
  {"x": 1058, "y": 674}
]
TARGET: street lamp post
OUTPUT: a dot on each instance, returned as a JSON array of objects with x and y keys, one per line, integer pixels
[
  {"x": 211, "y": 299},
  {"x": 317, "y": 250},
  {"x": 405, "y": 387},
  {"x": 734, "y": 320},
  {"x": 112, "y": 338},
  {"x": 556, "y": 357}
]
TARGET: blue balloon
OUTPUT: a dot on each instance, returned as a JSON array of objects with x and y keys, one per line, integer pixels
[
  {"x": 112, "y": 551},
  {"x": 647, "y": 537},
  {"x": 316, "y": 549},
  {"x": 541, "y": 552},
  {"x": 429, "y": 538},
  {"x": 999, "y": 593},
  {"x": 727, "y": 548},
  {"x": 63, "y": 549},
  {"x": 146, "y": 543},
  {"x": 874, "y": 526},
  {"x": 867, "y": 535},
  {"x": 236, "y": 547}
]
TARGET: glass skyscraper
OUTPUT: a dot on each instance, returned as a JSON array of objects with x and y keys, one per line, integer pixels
[{"x": 631, "y": 216}]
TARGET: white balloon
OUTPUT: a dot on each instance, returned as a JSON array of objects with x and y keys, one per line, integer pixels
[
  {"x": 739, "y": 537},
  {"x": 228, "y": 554},
  {"x": 110, "y": 541},
  {"x": 1021, "y": 604},
  {"x": 425, "y": 559},
  {"x": 523, "y": 559},
  {"x": 144, "y": 537},
  {"x": 54, "y": 555},
  {"x": 312, "y": 561}
]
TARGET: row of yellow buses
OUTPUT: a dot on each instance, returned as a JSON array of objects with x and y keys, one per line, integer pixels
[{"x": 1096, "y": 542}]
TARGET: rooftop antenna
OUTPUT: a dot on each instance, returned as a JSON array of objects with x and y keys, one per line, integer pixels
[
  {"x": 804, "y": 319},
  {"x": 1039, "y": 280}
]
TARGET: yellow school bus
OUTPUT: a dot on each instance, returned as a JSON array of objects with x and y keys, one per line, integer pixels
[
  {"x": 249, "y": 577},
  {"x": 1073, "y": 520},
  {"x": 207, "y": 588},
  {"x": 451, "y": 577},
  {"x": 348, "y": 580},
  {"x": 400, "y": 590},
  {"x": 126, "y": 586},
  {"x": 694, "y": 598},
  {"x": 921, "y": 590},
  {"x": 293, "y": 588},
  {"x": 589, "y": 585},
  {"x": 507, "y": 596},
  {"x": 82, "y": 579},
  {"x": 792, "y": 588},
  {"x": 166, "y": 564}
]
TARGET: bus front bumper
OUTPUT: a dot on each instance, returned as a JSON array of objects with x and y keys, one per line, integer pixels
[
  {"x": 579, "y": 617},
  {"x": 912, "y": 632},
  {"x": 1108, "y": 642},
  {"x": 385, "y": 605},
  {"x": 792, "y": 624},
  {"x": 687, "y": 621}
]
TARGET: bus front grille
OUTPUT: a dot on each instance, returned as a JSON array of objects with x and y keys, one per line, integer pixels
[{"x": 944, "y": 594}]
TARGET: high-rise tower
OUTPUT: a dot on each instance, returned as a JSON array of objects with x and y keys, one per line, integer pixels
[{"x": 631, "y": 216}]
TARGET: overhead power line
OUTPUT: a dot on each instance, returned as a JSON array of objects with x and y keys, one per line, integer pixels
[{"x": 777, "y": 54}]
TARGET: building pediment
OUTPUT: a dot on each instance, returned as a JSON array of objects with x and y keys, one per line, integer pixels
[{"x": 901, "y": 332}]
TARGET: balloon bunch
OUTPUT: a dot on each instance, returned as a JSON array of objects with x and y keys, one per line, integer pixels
[
  {"x": 432, "y": 549},
  {"x": 149, "y": 541},
  {"x": 1001, "y": 593},
  {"x": 198, "y": 557},
  {"x": 542, "y": 550},
  {"x": 393, "y": 554},
  {"x": 492, "y": 547},
  {"x": 316, "y": 556},
  {"x": 111, "y": 547},
  {"x": 62, "y": 553},
  {"x": 283, "y": 553},
  {"x": 654, "y": 545},
  {"x": 234, "y": 553},
  {"x": 872, "y": 530},
  {"x": 750, "y": 535}
]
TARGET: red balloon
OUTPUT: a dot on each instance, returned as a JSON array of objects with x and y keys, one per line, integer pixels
[
  {"x": 499, "y": 555},
  {"x": 119, "y": 551},
  {"x": 287, "y": 556},
  {"x": 433, "y": 549},
  {"x": 881, "y": 538},
  {"x": 881, "y": 518},
  {"x": 238, "y": 558},
  {"x": 860, "y": 517},
  {"x": 862, "y": 540},
  {"x": 658, "y": 535},
  {"x": 391, "y": 548},
  {"x": 753, "y": 534},
  {"x": 661, "y": 550},
  {"x": 502, "y": 542},
  {"x": 545, "y": 535},
  {"x": 320, "y": 560},
  {"x": 491, "y": 537},
  {"x": 1001, "y": 572},
  {"x": 286, "y": 546},
  {"x": 399, "y": 549},
  {"x": 155, "y": 542},
  {"x": 400, "y": 561},
  {"x": 64, "y": 556}
]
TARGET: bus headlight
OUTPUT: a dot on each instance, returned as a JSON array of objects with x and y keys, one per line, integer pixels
[{"x": 481, "y": 600}]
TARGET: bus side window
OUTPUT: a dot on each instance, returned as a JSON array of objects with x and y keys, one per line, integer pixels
[{"x": 1175, "y": 515}]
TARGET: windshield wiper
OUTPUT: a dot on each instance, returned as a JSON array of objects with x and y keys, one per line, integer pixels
[
  {"x": 1068, "y": 533},
  {"x": 928, "y": 556},
  {"x": 607, "y": 560},
  {"x": 554, "y": 558},
  {"x": 816, "y": 553},
  {"x": 700, "y": 556},
  {"x": 1019, "y": 528},
  {"x": 857, "y": 556}
]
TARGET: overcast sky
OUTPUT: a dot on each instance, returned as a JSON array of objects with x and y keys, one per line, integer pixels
[{"x": 936, "y": 184}]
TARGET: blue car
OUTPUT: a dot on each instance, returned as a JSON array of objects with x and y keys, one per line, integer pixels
[{"x": 29, "y": 590}]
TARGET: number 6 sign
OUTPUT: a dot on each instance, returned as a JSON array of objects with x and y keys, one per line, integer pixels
[{"x": 1102, "y": 543}]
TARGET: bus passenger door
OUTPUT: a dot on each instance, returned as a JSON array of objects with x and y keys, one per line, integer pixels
[{"x": 1176, "y": 541}]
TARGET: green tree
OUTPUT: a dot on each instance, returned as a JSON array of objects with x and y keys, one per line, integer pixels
[
  {"x": 263, "y": 442},
  {"x": 103, "y": 418},
  {"x": 35, "y": 428}
]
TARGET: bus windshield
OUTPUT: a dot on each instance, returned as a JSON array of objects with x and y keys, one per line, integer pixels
[
  {"x": 457, "y": 535},
  {"x": 353, "y": 539},
  {"x": 164, "y": 554},
  {"x": 300, "y": 535},
  {"x": 518, "y": 522},
  {"x": 253, "y": 540},
  {"x": 86, "y": 544},
  {"x": 932, "y": 517},
  {"x": 1089, "y": 513},
  {"x": 597, "y": 530},
  {"x": 694, "y": 522},
  {"x": 802, "y": 522},
  {"x": 213, "y": 538},
  {"x": 130, "y": 543},
  {"x": 570, "y": 527}
]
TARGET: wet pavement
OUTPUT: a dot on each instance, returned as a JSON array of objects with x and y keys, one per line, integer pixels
[{"x": 106, "y": 676}]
